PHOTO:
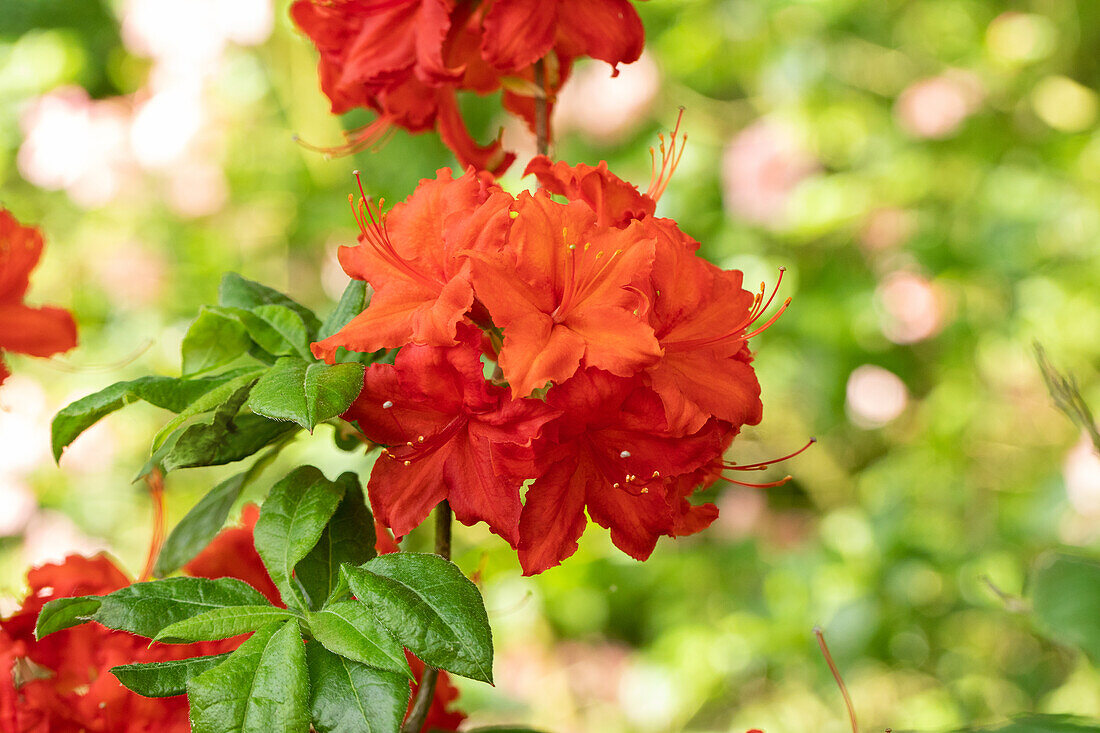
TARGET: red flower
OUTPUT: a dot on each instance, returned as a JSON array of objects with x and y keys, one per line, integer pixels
[
  {"x": 34, "y": 331},
  {"x": 61, "y": 683},
  {"x": 564, "y": 290},
  {"x": 421, "y": 287},
  {"x": 445, "y": 427},
  {"x": 404, "y": 59},
  {"x": 407, "y": 59},
  {"x": 519, "y": 32},
  {"x": 610, "y": 453}
]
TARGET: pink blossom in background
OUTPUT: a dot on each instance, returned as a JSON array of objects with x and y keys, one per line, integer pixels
[
  {"x": 606, "y": 108},
  {"x": 760, "y": 168},
  {"x": 51, "y": 536},
  {"x": 740, "y": 512},
  {"x": 875, "y": 396},
  {"x": 75, "y": 144},
  {"x": 1081, "y": 472},
  {"x": 911, "y": 308},
  {"x": 131, "y": 274},
  {"x": 886, "y": 229},
  {"x": 935, "y": 108}
]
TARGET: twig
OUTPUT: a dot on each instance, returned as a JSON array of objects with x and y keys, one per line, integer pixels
[{"x": 836, "y": 676}]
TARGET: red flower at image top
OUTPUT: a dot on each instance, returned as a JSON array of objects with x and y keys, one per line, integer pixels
[
  {"x": 407, "y": 59},
  {"x": 34, "y": 331},
  {"x": 557, "y": 360}
]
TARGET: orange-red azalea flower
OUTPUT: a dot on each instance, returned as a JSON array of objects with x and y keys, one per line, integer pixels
[
  {"x": 35, "y": 331},
  {"x": 410, "y": 256},
  {"x": 566, "y": 290}
]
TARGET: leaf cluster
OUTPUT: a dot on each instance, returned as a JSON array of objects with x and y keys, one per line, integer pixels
[{"x": 331, "y": 654}]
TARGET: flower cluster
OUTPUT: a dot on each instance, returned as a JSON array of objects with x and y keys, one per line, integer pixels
[
  {"x": 35, "y": 331},
  {"x": 407, "y": 59},
  {"x": 62, "y": 684},
  {"x": 620, "y": 363}
]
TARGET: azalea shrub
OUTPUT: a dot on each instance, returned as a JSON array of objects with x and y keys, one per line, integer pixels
[{"x": 525, "y": 344}]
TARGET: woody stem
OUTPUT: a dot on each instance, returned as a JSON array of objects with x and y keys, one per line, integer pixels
[
  {"x": 542, "y": 119},
  {"x": 425, "y": 692}
]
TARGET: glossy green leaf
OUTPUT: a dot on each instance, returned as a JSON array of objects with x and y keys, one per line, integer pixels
[
  {"x": 349, "y": 697},
  {"x": 222, "y": 623},
  {"x": 146, "y": 608},
  {"x": 165, "y": 392},
  {"x": 164, "y": 679},
  {"x": 240, "y": 292},
  {"x": 217, "y": 444},
  {"x": 213, "y": 340},
  {"x": 431, "y": 607},
  {"x": 353, "y": 301},
  {"x": 1066, "y": 598},
  {"x": 230, "y": 391},
  {"x": 290, "y": 524},
  {"x": 206, "y": 519},
  {"x": 263, "y": 687},
  {"x": 349, "y": 629},
  {"x": 306, "y": 392},
  {"x": 347, "y": 538},
  {"x": 64, "y": 613}
]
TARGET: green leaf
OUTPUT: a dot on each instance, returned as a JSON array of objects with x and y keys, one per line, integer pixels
[
  {"x": 146, "y": 608},
  {"x": 222, "y": 623},
  {"x": 165, "y": 392},
  {"x": 217, "y": 444},
  {"x": 239, "y": 292},
  {"x": 1066, "y": 599},
  {"x": 347, "y": 538},
  {"x": 263, "y": 687},
  {"x": 349, "y": 629},
  {"x": 352, "y": 303},
  {"x": 349, "y": 697},
  {"x": 64, "y": 613},
  {"x": 212, "y": 341},
  {"x": 290, "y": 524},
  {"x": 205, "y": 520},
  {"x": 431, "y": 607},
  {"x": 290, "y": 327},
  {"x": 306, "y": 393},
  {"x": 1042, "y": 724},
  {"x": 164, "y": 679},
  {"x": 230, "y": 391}
]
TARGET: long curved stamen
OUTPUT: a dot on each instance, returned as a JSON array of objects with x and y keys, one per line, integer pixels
[
  {"x": 836, "y": 676},
  {"x": 769, "y": 485},
  {"x": 155, "y": 482},
  {"x": 761, "y": 465},
  {"x": 670, "y": 159},
  {"x": 582, "y": 278},
  {"x": 373, "y": 135},
  {"x": 735, "y": 335},
  {"x": 372, "y": 229}
]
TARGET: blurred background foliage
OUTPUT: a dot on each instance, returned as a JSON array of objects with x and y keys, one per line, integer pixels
[{"x": 927, "y": 170}]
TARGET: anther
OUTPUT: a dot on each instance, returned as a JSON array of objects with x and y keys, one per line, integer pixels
[
  {"x": 513, "y": 214},
  {"x": 645, "y": 490},
  {"x": 656, "y": 474},
  {"x": 625, "y": 454},
  {"x": 419, "y": 439},
  {"x": 387, "y": 404},
  {"x": 409, "y": 443},
  {"x": 615, "y": 485},
  {"x": 408, "y": 463}
]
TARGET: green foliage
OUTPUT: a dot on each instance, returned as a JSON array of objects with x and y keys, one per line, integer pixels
[
  {"x": 353, "y": 301},
  {"x": 239, "y": 292},
  {"x": 1043, "y": 724},
  {"x": 347, "y": 538},
  {"x": 356, "y": 678},
  {"x": 431, "y": 607},
  {"x": 1066, "y": 600},
  {"x": 306, "y": 392},
  {"x": 349, "y": 629},
  {"x": 291, "y": 523},
  {"x": 263, "y": 687},
  {"x": 349, "y": 697},
  {"x": 213, "y": 341},
  {"x": 164, "y": 679}
]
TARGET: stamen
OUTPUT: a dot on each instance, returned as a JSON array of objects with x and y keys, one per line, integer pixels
[
  {"x": 836, "y": 676},
  {"x": 735, "y": 335},
  {"x": 760, "y": 466},
  {"x": 387, "y": 404},
  {"x": 624, "y": 454},
  {"x": 670, "y": 159},
  {"x": 373, "y": 135},
  {"x": 770, "y": 485}
]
